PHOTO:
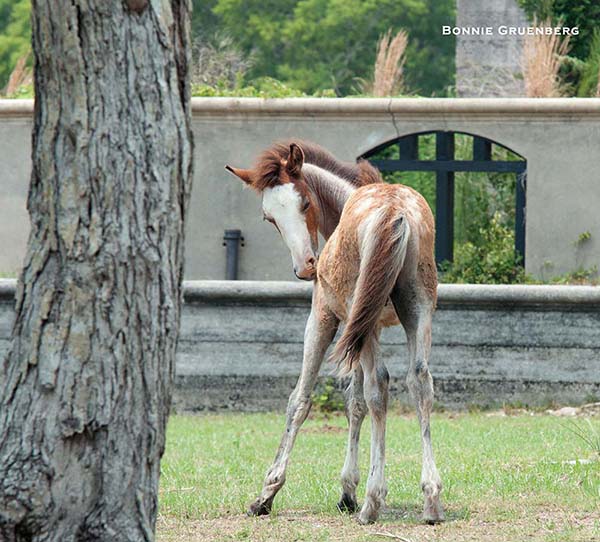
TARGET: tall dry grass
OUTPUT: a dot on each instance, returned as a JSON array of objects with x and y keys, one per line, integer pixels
[
  {"x": 389, "y": 63},
  {"x": 20, "y": 75},
  {"x": 542, "y": 57},
  {"x": 218, "y": 62}
]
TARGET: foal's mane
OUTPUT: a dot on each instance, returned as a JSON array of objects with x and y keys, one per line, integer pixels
[{"x": 269, "y": 163}]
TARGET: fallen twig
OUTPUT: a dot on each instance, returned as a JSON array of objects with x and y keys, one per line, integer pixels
[{"x": 391, "y": 535}]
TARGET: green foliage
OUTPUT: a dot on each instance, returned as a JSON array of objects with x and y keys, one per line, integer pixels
[
  {"x": 580, "y": 71},
  {"x": 588, "y": 73},
  {"x": 15, "y": 35},
  {"x": 492, "y": 261},
  {"x": 541, "y": 9},
  {"x": 24, "y": 91},
  {"x": 584, "y": 14},
  {"x": 327, "y": 398},
  {"x": 310, "y": 45},
  {"x": 581, "y": 275},
  {"x": 583, "y": 237},
  {"x": 256, "y": 26},
  {"x": 319, "y": 44},
  {"x": 263, "y": 87}
]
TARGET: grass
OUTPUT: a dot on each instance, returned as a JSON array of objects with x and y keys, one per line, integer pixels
[
  {"x": 505, "y": 478},
  {"x": 541, "y": 61}
]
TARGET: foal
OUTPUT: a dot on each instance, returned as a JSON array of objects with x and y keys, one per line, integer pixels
[{"x": 376, "y": 270}]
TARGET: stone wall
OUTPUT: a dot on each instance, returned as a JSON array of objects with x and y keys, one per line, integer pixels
[
  {"x": 557, "y": 137},
  {"x": 241, "y": 345},
  {"x": 489, "y": 66}
]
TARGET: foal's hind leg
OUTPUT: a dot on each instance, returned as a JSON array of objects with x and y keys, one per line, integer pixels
[
  {"x": 320, "y": 330},
  {"x": 420, "y": 385},
  {"x": 376, "y": 384},
  {"x": 356, "y": 409}
]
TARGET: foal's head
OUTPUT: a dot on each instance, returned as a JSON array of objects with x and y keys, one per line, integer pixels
[{"x": 287, "y": 203}]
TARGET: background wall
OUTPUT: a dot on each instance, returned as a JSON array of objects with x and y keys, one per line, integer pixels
[
  {"x": 241, "y": 345},
  {"x": 558, "y": 137}
]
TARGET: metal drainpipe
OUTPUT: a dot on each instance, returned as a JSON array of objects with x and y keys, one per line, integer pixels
[{"x": 232, "y": 240}]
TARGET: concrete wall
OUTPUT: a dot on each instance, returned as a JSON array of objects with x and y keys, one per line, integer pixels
[
  {"x": 558, "y": 137},
  {"x": 241, "y": 344},
  {"x": 489, "y": 66},
  {"x": 15, "y": 161}
]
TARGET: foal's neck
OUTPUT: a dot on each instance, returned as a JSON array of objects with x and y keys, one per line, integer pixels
[{"x": 331, "y": 193}]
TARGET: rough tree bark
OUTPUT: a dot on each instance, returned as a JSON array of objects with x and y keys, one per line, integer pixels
[{"x": 86, "y": 386}]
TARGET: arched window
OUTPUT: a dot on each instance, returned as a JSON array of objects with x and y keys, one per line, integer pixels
[{"x": 432, "y": 161}]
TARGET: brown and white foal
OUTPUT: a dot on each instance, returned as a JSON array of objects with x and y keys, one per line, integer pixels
[{"x": 376, "y": 269}]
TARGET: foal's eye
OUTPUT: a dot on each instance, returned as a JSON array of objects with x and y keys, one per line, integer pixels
[
  {"x": 305, "y": 205},
  {"x": 268, "y": 219}
]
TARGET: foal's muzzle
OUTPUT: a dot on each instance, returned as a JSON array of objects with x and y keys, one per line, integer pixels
[{"x": 309, "y": 271}]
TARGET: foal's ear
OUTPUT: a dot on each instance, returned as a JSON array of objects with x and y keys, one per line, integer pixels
[
  {"x": 295, "y": 160},
  {"x": 244, "y": 174}
]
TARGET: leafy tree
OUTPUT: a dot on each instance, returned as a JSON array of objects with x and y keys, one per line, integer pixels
[
  {"x": 318, "y": 44},
  {"x": 584, "y": 14},
  {"x": 588, "y": 83},
  {"x": 580, "y": 68},
  {"x": 257, "y": 26},
  {"x": 15, "y": 35},
  {"x": 310, "y": 45},
  {"x": 203, "y": 18}
]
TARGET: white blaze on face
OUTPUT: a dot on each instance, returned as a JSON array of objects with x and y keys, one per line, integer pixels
[{"x": 282, "y": 204}]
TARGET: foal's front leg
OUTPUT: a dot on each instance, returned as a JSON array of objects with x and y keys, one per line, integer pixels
[{"x": 320, "y": 330}]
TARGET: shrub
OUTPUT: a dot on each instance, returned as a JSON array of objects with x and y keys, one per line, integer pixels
[
  {"x": 263, "y": 87},
  {"x": 23, "y": 91},
  {"x": 327, "y": 398},
  {"x": 493, "y": 261}
]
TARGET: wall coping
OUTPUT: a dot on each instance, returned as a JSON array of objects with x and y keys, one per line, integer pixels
[
  {"x": 400, "y": 106},
  {"x": 467, "y": 295},
  {"x": 219, "y": 106}
]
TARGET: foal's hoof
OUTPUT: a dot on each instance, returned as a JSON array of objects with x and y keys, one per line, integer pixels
[
  {"x": 347, "y": 504},
  {"x": 433, "y": 514},
  {"x": 369, "y": 512},
  {"x": 366, "y": 518},
  {"x": 260, "y": 507},
  {"x": 433, "y": 520}
]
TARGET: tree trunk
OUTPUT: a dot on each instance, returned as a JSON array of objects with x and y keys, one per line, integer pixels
[{"x": 86, "y": 386}]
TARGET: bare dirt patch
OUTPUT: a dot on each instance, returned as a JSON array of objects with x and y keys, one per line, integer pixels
[{"x": 396, "y": 524}]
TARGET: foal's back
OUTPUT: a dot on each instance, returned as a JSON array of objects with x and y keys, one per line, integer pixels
[{"x": 366, "y": 221}]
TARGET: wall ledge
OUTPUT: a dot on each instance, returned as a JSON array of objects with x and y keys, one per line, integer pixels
[
  {"x": 464, "y": 295},
  {"x": 401, "y": 106},
  {"x": 219, "y": 106}
]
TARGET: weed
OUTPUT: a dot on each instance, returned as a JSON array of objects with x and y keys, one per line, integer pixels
[
  {"x": 589, "y": 435},
  {"x": 327, "y": 397}
]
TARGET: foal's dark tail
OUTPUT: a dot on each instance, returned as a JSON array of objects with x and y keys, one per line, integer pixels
[{"x": 382, "y": 251}]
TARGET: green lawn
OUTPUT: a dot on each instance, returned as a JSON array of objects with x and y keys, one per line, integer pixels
[{"x": 522, "y": 477}]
